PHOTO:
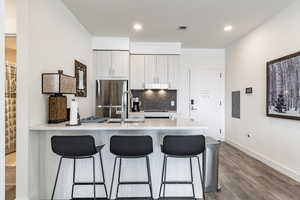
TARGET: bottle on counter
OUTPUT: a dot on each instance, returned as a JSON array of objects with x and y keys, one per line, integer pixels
[{"x": 74, "y": 112}]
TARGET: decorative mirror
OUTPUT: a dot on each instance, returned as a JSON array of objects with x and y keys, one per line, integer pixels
[{"x": 81, "y": 79}]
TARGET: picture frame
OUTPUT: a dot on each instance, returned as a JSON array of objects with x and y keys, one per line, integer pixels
[
  {"x": 81, "y": 79},
  {"x": 283, "y": 87}
]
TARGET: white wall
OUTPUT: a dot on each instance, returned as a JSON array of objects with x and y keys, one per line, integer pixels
[
  {"x": 10, "y": 16},
  {"x": 49, "y": 38},
  {"x": 2, "y": 122},
  {"x": 274, "y": 141},
  {"x": 56, "y": 40}
]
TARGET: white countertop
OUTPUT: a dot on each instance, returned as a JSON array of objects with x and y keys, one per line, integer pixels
[{"x": 149, "y": 124}]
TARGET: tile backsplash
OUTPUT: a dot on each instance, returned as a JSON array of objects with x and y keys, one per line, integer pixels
[{"x": 160, "y": 100}]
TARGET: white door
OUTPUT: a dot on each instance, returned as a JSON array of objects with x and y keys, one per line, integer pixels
[
  {"x": 207, "y": 94},
  {"x": 150, "y": 72},
  {"x": 103, "y": 63},
  {"x": 120, "y": 64},
  {"x": 137, "y": 72}
]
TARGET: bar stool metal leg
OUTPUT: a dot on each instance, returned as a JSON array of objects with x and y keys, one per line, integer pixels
[
  {"x": 165, "y": 177},
  {"x": 57, "y": 174},
  {"x": 103, "y": 176},
  {"x": 162, "y": 176},
  {"x": 201, "y": 178},
  {"x": 149, "y": 176},
  {"x": 113, "y": 177},
  {"x": 74, "y": 172},
  {"x": 94, "y": 177},
  {"x": 192, "y": 178},
  {"x": 119, "y": 177}
]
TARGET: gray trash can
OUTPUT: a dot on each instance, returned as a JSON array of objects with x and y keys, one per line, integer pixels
[{"x": 211, "y": 165}]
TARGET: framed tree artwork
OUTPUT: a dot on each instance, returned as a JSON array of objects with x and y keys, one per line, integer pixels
[
  {"x": 283, "y": 87},
  {"x": 81, "y": 79}
]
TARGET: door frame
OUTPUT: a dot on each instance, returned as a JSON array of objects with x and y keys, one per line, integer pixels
[
  {"x": 221, "y": 73},
  {"x": 2, "y": 103}
]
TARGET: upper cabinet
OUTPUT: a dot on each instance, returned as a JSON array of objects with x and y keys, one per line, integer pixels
[
  {"x": 102, "y": 63},
  {"x": 150, "y": 69},
  {"x": 111, "y": 64},
  {"x": 137, "y": 72},
  {"x": 154, "y": 69},
  {"x": 173, "y": 70},
  {"x": 162, "y": 69}
]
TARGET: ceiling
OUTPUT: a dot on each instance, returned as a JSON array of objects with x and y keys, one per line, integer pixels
[{"x": 160, "y": 18}]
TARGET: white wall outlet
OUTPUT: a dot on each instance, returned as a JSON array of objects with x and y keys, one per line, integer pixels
[{"x": 172, "y": 103}]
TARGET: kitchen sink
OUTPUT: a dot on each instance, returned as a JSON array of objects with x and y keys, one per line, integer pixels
[{"x": 129, "y": 120}]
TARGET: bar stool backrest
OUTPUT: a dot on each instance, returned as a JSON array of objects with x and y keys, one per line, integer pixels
[
  {"x": 131, "y": 146},
  {"x": 187, "y": 145},
  {"x": 73, "y": 146}
]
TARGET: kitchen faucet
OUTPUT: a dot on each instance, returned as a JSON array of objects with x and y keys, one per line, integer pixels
[{"x": 124, "y": 104}]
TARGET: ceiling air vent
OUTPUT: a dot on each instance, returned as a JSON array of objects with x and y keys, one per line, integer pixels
[{"x": 182, "y": 28}]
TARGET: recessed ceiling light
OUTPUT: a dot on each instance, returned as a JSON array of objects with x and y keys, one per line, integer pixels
[
  {"x": 137, "y": 27},
  {"x": 228, "y": 28}
]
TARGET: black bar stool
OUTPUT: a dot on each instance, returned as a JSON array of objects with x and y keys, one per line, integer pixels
[
  {"x": 128, "y": 147},
  {"x": 78, "y": 147},
  {"x": 182, "y": 147}
]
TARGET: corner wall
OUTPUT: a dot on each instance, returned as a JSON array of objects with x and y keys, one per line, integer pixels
[
  {"x": 56, "y": 40},
  {"x": 49, "y": 38},
  {"x": 274, "y": 141}
]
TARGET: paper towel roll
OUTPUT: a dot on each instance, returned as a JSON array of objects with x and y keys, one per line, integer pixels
[{"x": 74, "y": 112}]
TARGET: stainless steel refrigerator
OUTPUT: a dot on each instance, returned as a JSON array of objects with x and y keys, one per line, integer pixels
[{"x": 109, "y": 98}]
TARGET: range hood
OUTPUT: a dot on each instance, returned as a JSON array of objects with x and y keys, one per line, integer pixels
[{"x": 160, "y": 86}]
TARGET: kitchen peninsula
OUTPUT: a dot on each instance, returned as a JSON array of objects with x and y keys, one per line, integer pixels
[{"x": 156, "y": 128}]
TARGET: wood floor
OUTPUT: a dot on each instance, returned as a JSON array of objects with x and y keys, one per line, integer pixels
[
  {"x": 244, "y": 178},
  {"x": 10, "y": 183}
]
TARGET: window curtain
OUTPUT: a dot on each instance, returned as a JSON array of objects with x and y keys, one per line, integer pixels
[{"x": 10, "y": 108}]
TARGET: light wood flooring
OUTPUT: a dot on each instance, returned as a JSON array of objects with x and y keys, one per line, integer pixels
[
  {"x": 10, "y": 176},
  {"x": 244, "y": 178},
  {"x": 10, "y": 183}
]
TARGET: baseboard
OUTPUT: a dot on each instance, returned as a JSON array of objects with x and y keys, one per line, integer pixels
[{"x": 278, "y": 167}]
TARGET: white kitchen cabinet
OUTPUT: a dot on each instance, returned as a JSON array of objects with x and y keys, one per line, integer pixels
[
  {"x": 102, "y": 63},
  {"x": 173, "y": 68},
  {"x": 161, "y": 69},
  {"x": 154, "y": 69},
  {"x": 112, "y": 64},
  {"x": 137, "y": 72},
  {"x": 150, "y": 69},
  {"x": 120, "y": 63}
]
